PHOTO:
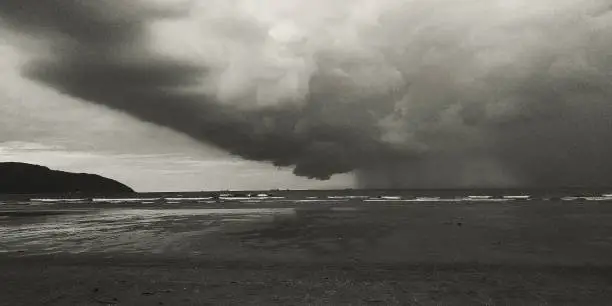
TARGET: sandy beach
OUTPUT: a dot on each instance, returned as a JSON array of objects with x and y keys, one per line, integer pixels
[{"x": 329, "y": 253}]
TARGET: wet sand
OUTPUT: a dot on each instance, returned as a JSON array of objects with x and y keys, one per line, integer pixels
[{"x": 331, "y": 253}]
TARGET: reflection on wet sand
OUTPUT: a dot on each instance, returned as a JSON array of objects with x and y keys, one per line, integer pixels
[{"x": 128, "y": 230}]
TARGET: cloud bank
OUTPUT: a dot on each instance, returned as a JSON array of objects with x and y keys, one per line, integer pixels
[{"x": 405, "y": 93}]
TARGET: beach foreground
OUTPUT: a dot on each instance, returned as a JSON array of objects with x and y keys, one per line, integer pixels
[
  {"x": 308, "y": 253},
  {"x": 92, "y": 282}
]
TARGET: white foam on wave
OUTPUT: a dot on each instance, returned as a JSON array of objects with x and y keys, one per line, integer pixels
[
  {"x": 391, "y": 197},
  {"x": 517, "y": 197},
  {"x": 124, "y": 199},
  {"x": 187, "y": 199},
  {"x": 402, "y": 200},
  {"x": 472, "y": 199},
  {"x": 345, "y": 197},
  {"x": 435, "y": 200},
  {"x": 58, "y": 200},
  {"x": 598, "y": 198},
  {"x": 427, "y": 199},
  {"x": 384, "y": 199}
]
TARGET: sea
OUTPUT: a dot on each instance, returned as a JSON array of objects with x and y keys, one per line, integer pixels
[
  {"x": 564, "y": 226},
  {"x": 290, "y": 197}
]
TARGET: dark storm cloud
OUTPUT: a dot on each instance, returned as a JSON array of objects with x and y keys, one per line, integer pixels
[
  {"x": 100, "y": 56},
  {"x": 150, "y": 90},
  {"x": 432, "y": 94}
]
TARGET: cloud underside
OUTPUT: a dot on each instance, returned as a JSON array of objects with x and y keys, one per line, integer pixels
[{"x": 407, "y": 94}]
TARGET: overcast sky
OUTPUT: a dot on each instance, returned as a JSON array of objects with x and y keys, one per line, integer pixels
[{"x": 243, "y": 94}]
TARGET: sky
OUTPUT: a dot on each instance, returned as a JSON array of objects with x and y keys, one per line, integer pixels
[
  {"x": 41, "y": 126},
  {"x": 238, "y": 94}
]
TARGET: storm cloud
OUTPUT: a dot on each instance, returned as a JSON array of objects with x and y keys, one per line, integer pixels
[{"x": 405, "y": 93}]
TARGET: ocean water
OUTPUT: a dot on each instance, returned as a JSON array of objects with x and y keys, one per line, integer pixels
[
  {"x": 317, "y": 196},
  {"x": 495, "y": 226}
]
